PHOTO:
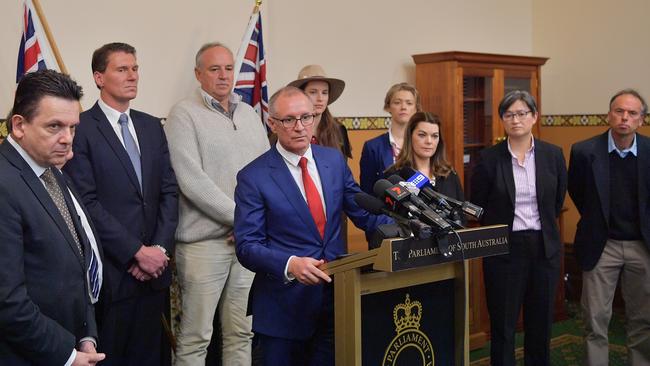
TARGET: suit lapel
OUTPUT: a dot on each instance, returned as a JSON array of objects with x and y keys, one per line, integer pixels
[
  {"x": 145, "y": 149},
  {"x": 600, "y": 169},
  {"x": 327, "y": 179},
  {"x": 111, "y": 138},
  {"x": 505, "y": 166},
  {"x": 541, "y": 168},
  {"x": 643, "y": 151},
  {"x": 36, "y": 186},
  {"x": 387, "y": 152},
  {"x": 285, "y": 182}
]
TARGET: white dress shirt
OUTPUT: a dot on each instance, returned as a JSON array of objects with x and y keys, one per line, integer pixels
[{"x": 113, "y": 117}]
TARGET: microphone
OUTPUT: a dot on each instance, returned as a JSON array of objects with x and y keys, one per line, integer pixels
[
  {"x": 398, "y": 197},
  {"x": 437, "y": 198},
  {"x": 376, "y": 207},
  {"x": 430, "y": 216}
]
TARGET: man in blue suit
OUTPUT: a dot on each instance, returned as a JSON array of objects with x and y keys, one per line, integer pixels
[
  {"x": 289, "y": 203},
  {"x": 122, "y": 169},
  {"x": 50, "y": 266}
]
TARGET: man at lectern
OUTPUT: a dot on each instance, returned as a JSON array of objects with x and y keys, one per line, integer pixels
[{"x": 287, "y": 224}]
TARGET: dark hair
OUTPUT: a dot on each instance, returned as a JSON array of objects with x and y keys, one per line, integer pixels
[
  {"x": 328, "y": 133},
  {"x": 634, "y": 93},
  {"x": 513, "y": 97},
  {"x": 402, "y": 87},
  {"x": 406, "y": 158},
  {"x": 36, "y": 85}
]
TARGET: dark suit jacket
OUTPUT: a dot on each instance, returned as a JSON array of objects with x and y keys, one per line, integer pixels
[
  {"x": 377, "y": 156},
  {"x": 124, "y": 216},
  {"x": 45, "y": 308},
  {"x": 589, "y": 190},
  {"x": 493, "y": 188},
  {"x": 273, "y": 222}
]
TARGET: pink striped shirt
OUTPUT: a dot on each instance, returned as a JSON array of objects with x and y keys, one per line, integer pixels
[{"x": 526, "y": 211}]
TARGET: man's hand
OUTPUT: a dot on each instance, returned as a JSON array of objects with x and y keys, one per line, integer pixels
[
  {"x": 151, "y": 260},
  {"x": 306, "y": 271},
  {"x": 230, "y": 239},
  {"x": 138, "y": 273},
  {"x": 88, "y": 358}
]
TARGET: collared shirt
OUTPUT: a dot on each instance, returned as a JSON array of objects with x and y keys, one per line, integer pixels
[
  {"x": 291, "y": 160},
  {"x": 393, "y": 144},
  {"x": 526, "y": 209},
  {"x": 214, "y": 104},
  {"x": 113, "y": 117},
  {"x": 39, "y": 170},
  {"x": 611, "y": 146}
]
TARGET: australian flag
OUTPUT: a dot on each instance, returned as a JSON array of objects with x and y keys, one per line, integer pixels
[
  {"x": 34, "y": 53},
  {"x": 250, "y": 68}
]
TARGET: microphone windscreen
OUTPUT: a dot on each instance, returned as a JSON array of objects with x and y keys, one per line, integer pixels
[
  {"x": 369, "y": 203},
  {"x": 406, "y": 172},
  {"x": 380, "y": 187},
  {"x": 395, "y": 179}
]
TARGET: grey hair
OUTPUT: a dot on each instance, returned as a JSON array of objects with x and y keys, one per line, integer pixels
[
  {"x": 513, "y": 97},
  {"x": 634, "y": 93},
  {"x": 205, "y": 47},
  {"x": 284, "y": 91}
]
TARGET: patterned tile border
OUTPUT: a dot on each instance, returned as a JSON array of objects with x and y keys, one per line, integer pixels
[
  {"x": 553, "y": 120},
  {"x": 381, "y": 123}
]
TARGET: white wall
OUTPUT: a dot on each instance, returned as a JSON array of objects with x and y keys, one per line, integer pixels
[
  {"x": 595, "y": 47},
  {"x": 367, "y": 43}
]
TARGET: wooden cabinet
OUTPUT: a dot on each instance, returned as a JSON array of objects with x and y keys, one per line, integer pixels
[{"x": 464, "y": 89}]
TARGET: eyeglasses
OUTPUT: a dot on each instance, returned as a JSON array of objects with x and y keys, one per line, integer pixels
[
  {"x": 519, "y": 114},
  {"x": 631, "y": 113},
  {"x": 290, "y": 122}
]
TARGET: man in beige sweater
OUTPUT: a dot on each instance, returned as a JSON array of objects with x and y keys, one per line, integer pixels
[{"x": 211, "y": 136}]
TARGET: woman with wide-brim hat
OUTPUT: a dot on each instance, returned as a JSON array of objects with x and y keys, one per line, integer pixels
[{"x": 323, "y": 91}]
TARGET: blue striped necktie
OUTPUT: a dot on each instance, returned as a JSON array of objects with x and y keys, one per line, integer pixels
[{"x": 130, "y": 146}]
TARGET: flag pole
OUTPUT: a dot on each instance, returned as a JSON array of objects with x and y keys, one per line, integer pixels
[
  {"x": 258, "y": 3},
  {"x": 50, "y": 37}
]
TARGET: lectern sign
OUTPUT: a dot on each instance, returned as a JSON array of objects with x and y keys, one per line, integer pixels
[{"x": 473, "y": 243}]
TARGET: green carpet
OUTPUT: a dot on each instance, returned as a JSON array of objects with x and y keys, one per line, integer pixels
[{"x": 567, "y": 343}]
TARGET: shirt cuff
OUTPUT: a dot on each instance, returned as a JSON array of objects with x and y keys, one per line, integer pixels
[
  {"x": 288, "y": 277},
  {"x": 73, "y": 355},
  {"x": 89, "y": 339}
]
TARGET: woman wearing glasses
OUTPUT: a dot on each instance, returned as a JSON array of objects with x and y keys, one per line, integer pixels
[
  {"x": 424, "y": 150},
  {"x": 521, "y": 182},
  {"x": 402, "y": 101},
  {"x": 322, "y": 92}
]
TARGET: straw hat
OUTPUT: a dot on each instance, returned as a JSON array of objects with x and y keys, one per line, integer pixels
[{"x": 316, "y": 73}]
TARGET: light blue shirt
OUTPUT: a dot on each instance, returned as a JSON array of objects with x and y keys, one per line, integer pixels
[{"x": 611, "y": 146}]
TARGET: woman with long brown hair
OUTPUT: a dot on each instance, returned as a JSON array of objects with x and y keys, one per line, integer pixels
[{"x": 423, "y": 149}]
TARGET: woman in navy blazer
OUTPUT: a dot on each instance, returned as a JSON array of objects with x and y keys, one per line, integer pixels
[
  {"x": 521, "y": 182},
  {"x": 402, "y": 101}
]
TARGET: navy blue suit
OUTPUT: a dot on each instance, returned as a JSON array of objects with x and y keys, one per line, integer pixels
[
  {"x": 376, "y": 157},
  {"x": 126, "y": 217},
  {"x": 45, "y": 308},
  {"x": 273, "y": 222}
]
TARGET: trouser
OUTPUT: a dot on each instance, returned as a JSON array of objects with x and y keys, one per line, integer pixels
[
  {"x": 629, "y": 260},
  {"x": 523, "y": 277},
  {"x": 212, "y": 279}
]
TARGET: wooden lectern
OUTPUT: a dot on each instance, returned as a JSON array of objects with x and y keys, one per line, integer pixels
[{"x": 406, "y": 301}]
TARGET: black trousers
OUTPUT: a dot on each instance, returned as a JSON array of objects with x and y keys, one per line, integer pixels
[
  {"x": 131, "y": 331},
  {"x": 524, "y": 277}
]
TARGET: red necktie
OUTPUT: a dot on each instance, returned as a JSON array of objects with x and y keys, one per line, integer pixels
[{"x": 313, "y": 198}]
